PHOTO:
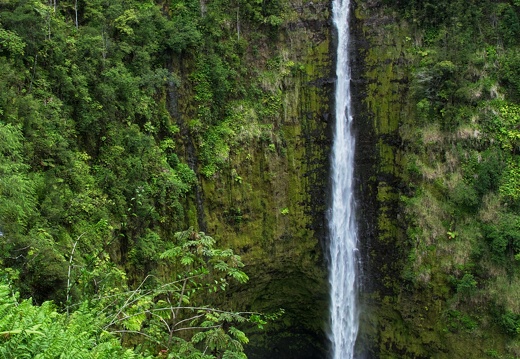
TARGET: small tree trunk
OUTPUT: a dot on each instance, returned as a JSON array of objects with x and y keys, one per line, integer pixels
[
  {"x": 202, "y": 8},
  {"x": 76, "y": 12},
  {"x": 238, "y": 22}
]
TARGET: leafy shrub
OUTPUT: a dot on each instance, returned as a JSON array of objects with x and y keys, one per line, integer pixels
[
  {"x": 465, "y": 196},
  {"x": 510, "y": 322},
  {"x": 28, "y": 331},
  {"x": 467, "y": 285}
]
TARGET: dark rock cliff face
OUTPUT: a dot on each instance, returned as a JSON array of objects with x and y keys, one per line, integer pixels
[
  {"x": 283, "y": 195},
  {"x": 398, "y": 320},
  {"x": 268, "y": 202},
  {"x": 380, "y": 101},
  {"x": 366, "y": 161}
]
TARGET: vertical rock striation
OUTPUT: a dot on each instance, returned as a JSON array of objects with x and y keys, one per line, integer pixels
[{"x": 268, "y": 201}]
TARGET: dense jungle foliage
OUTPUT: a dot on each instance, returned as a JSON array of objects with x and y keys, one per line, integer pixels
[
  {"x": 94, "y": 172},
  {"x": 459, "y": 150},
  {"x": 112, "y": 114}
]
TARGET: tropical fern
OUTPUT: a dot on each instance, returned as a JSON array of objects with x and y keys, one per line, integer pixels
[{"x": 40, "y": 332}]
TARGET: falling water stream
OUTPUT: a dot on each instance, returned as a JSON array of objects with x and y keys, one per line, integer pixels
[{"x": 342, "y": 219}]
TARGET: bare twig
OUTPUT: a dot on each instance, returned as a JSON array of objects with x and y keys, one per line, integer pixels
[
  {"x": 188, "y": 319},
  {"x": 128, "y": 302},
  {"x": 140, "y": 333},
  {"x": 70, "y": 270},
  {"x": 199, "y": 327}
]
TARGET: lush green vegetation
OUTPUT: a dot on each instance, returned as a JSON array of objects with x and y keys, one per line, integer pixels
[
  {"x": 112, "y": 114},
  {"x": 95, "y": 180},
  {"x": 161, "y": 317},
  {"x": 460, "y": 153}
]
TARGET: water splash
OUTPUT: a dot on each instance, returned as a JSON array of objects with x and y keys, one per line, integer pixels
[{"x": 342, "y": 220}]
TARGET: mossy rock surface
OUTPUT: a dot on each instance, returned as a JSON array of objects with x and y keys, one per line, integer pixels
[{"x": 268, "y": 199}]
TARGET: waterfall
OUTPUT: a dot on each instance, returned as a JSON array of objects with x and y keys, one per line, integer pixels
[{"x": 343, "y": 257}]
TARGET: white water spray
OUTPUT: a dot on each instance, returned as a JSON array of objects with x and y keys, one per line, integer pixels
[{"x": 342, "y": 219}]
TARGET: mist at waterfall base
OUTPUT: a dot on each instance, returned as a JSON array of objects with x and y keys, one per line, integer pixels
[{"x": 343, "y": 253}]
